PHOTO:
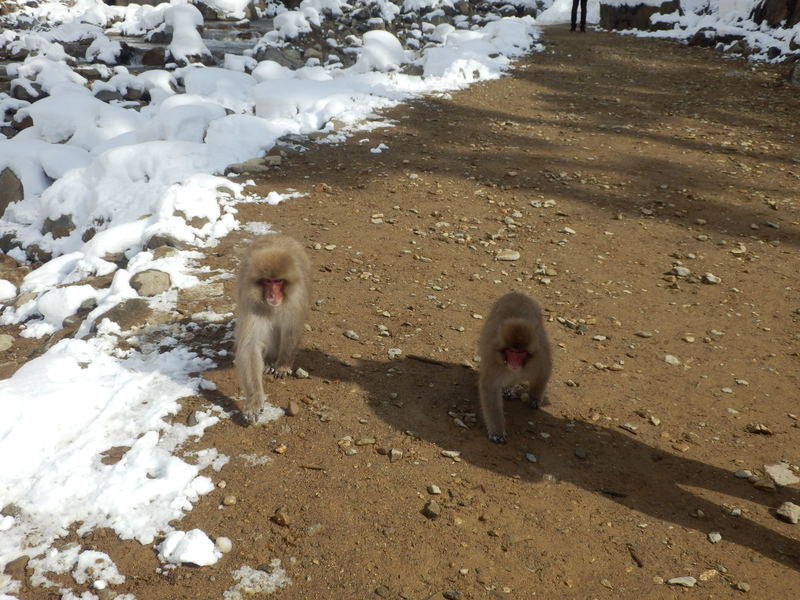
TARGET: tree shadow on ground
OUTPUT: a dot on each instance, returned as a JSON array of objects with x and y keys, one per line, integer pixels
[
  {"x": 618, "y": 466},
  {"x": 604, "y": 97}
]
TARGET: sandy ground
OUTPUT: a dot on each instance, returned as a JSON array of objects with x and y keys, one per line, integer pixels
[{"x": 605, "y": 161}]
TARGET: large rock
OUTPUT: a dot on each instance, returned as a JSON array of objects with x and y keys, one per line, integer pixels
[
  {"x": 634, "y": 16},
  {"x": 287, "y": 57},
  {"x": 10, "y": 189},
  {"x": 58, "y": 228},
  {"x": 151, "y": 282},
  {"x": 774, "y": 12},
  {"x": 131, "y": 313},
  {"x": 794, "y": 74}
]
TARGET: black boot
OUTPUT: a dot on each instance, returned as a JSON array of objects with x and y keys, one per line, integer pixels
[
  {"x": 572, "y": 28},
  {"x": 583, "y": 27}
]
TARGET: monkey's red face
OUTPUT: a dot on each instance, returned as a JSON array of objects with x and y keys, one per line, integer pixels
[
  {"x": 514, "y": 358},
  {"x": 273, "y": 291}
]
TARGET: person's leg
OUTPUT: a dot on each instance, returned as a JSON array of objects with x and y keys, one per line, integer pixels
[
  {"x": 574, "y": 14},
  {"x": 583, "y": 15}
]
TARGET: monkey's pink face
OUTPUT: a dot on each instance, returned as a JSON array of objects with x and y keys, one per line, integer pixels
[
  {"x": 273, "y": 291},
  {"x": 514, "y": 358}
]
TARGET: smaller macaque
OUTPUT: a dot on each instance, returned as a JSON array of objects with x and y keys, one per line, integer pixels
[
  {"x": 272, "y": 302},
  {"x": 514, "y": 352}
]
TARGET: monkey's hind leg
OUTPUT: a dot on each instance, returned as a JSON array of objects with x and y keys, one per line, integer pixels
[
  {"x": 494, "y": 418},
  {"x": 287, "y": 345},
  {"x": 537, "y": 397}
]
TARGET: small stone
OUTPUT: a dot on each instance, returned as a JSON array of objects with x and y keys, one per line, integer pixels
[
  {"x": 679, "y": 272},
  {"x": 6, "y": 342},
  {"x": 451, "y": 595},
  {"x": 691, "y": 437},
  {"x": 281, "y": 449},
  {"x": 301, "y": 373},
  {"x": 682, "y": 581},
  {"x": 759, "y": 428},
  {"x": 223, "y": 544},
  {"x": 350, "y": 334},
  {"x": 789, "y": 512},
  {"x": 394, "y": 353},
  {"x": 644, "y": 334},
  {"x": 432, "y": 509},
  {"x": 743, "y": 474},
  {"x": 350, "y": 452},
  {"x": 293, "y": 409},
  {"x": 365, "y": 441},
  {"x": 708, "y": 575},
  {"x": 395, "y": 455},
  {"x": 191, "y": 419},
  {"x": 726, "y": 390},
  {"x": 229, "y": 500},
  {"x": 715, "y": 537},
  {"x": 568, "y": 231},
  {"x": 530, "y": 457},
  {"x": 710, "y": 278},
  {"x": 765, "y": 485},
  {"x": 507, "y": 255},
  {"x": 629, "y": 427},
  {"x": 451, "y": 454},
  {"x": 281, "y": 517},
  {"x": 581, "y": 453},
  {"x": 672, "y": 360},
  {"x": 434, "y": 490},
  {"x": 742, "y": 586},
  {"x": 11, "y": 510}
]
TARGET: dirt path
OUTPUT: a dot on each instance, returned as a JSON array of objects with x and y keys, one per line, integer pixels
[{"x": 605, "y": 161}]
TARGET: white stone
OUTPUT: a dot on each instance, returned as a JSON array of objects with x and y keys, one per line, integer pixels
[
  {"x": 790, "y": 512},
  {"x": 223, "y": 544},
  {"x": 507, "y": 255},
  {"x": 781, "y": 474}
]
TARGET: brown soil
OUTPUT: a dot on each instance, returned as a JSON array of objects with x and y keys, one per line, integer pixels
[{"x": 655, "y": 154}]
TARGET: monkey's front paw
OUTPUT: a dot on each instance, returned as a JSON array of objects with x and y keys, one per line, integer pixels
[
  {"x": 251, "y": 416},
  {"x": 498, "y": 438},
  {"x": 251, "y": 411},
  {"x": 280, "y": 372}
]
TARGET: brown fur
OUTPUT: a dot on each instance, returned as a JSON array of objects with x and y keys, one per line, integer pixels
[
  {"x": 264, "y": 332},
  {"x": 514, "y": 322}
]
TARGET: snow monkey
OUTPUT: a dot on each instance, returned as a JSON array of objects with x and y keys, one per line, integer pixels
[
  {"x": 514, "y": 351},
  {"x": 272, "y": 301}
]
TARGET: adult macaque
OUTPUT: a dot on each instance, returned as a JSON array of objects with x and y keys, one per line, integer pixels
[
  {"x": 272, "y": 301},
  {"x": 514, "y": 351}
]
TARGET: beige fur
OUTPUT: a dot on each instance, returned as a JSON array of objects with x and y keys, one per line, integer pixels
[
  {"x": 514, "y": 322},
  {"x": 264, "y": 332}
]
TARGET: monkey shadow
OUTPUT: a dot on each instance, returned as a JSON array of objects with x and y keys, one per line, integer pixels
[{"x": 425, "y": 399}]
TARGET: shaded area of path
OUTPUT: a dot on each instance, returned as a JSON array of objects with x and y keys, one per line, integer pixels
[{"x": 647, "y": 124}]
